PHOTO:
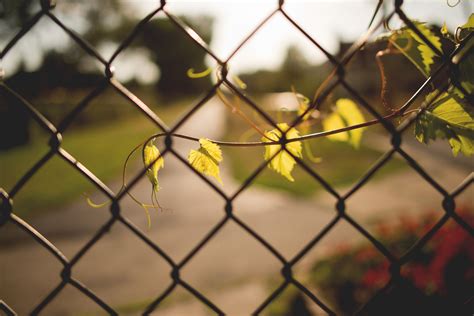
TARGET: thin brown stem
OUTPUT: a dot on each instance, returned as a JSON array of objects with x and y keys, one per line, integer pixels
[
  {"x": 236, "y": 110},
  {"x": 393, "y": 115}
]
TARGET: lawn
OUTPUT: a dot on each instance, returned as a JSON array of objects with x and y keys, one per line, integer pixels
[{"x": 101, "y": 147}]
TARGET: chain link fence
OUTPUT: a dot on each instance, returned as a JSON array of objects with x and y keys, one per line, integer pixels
[{"x": 7, "y": 211}]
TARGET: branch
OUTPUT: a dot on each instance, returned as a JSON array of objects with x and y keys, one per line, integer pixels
[{"x": 393, "y": 115}]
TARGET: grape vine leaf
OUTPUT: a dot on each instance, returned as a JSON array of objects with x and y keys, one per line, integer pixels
[
  {"x": 427, "y": 54},
  {"x": 283, "y": 163},
  {"x": 469, "y": 25},
  {"x": 346, "y": 114},
  {"x": 153, "y": 161},
  {"x": 207, "y": 158},
  {"x": 466, "y": 66},
  {"x": 465, "y": 57},
  {"x": 415, "y": 48},
  {"x": 448, "y": 118},
  {"x": 303, "y": 104}
]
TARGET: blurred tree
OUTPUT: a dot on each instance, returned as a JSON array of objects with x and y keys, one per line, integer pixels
[
  {"x": 169, "y": 48},
  {"x": 295, "y": 70},
  {"x": 14, "y": 123},
  {"x": 294, "y": 65},
  {"x": 14, "y": 13},
  {"x": 64, "y": 66},
  {"x": 174, "y": 53}
]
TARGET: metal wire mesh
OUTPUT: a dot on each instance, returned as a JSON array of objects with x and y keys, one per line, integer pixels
[{"x": 7, "y": 213}]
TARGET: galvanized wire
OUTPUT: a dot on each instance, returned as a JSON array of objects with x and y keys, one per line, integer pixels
[{"x": 7, "y": 212}]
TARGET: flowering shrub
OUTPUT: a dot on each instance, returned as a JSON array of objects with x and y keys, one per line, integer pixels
[{"x": 438, "y": 280}]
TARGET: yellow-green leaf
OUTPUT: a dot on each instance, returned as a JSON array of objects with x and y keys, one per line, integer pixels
[
  {"x": 206, "y": 159},
  {"x": 303, "y": 104},
  {"x": 153, "y": 161},
  {"x": 283, "y": 163},
  {"x": 427, "y": 54},
  {"x": 414, "y": 48},
  {"x": 346, "y": 113},
  {"x": 444, "y": 29},
  {"x": 470, "y": 23},
  {"x": 448, "y": 118}
]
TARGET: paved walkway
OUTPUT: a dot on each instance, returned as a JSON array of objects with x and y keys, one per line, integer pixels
[{"x": 233, "y": 270}]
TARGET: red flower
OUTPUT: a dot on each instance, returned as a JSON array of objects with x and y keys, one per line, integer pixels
[{"x": 376, "y": 277}]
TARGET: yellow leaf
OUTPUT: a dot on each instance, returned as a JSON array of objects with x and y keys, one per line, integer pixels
[
  {"x": 444, "y": 29},
  {"x": 153, "y": 161},
  {"x": 283, "y": 163},
  {"x": 470, "y": 23},
  {"x": 206, "y": 159},
  {"x": 427, "y": 54},
  {"x": 346, "y": 114}
]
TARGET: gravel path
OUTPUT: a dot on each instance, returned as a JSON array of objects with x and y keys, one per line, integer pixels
[{"x": 233, "y": 270}]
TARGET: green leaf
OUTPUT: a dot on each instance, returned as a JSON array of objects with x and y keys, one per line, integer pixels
[
  {"x": 465, "y": 59},
  {"x": 283, "y": 163},
  {"x": 414, "y": 48},
  {"x": 448, "y": 118},
  {"x": 206, "y": 159},
  {"x": 346, "y": 114},
  {"x": 153, "y": 161},
  {"x": 444, "y": 29},
  {"x": 427, "y": 54},
  {"x": 469, "y": 25}
]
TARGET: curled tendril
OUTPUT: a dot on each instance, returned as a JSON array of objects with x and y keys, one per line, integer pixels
[
  {"x": 452, "y": 5},
  {"x": 146, "y": 207},
  {"x": 386, "y": 25},
  {"x": 234, "y": 108},
  {"x": 195, "y": 75},
  {"x": 242, "y": 85},
  {"x": 309, "y": 153}
]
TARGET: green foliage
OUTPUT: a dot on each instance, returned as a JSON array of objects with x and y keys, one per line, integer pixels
[
  {"x": 448, "y": 118},
  {"x": 415, "y": 48},
  {"x": 466, "y": 66},
  {"x": 469, "y": 25},
  {"x": 88, "y": 146}
]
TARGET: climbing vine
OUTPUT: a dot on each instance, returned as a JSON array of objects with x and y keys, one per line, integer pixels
[{"x": 447, "y": 113}]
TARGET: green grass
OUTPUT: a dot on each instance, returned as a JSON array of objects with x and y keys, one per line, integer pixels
[{"x": 102, "y": 148}]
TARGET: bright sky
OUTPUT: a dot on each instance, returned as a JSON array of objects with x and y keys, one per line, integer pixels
[{"x": 327, "y": 21}]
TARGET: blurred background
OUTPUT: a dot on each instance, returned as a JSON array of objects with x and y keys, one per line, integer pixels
[{"x": 51, "y": 71}]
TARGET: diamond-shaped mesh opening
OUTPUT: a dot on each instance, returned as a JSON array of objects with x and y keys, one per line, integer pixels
[
  {"x": 163, "y": 78},
  {"x": 29, "y": 272},
  {"x": 136, "y": 267},
  {"x": 298, "y": 59},
  {"x": 49, "y": 188},
  {"x": 349, "y": 276},
  {"x": 53, "y": 72},
  {"x": 233, "y": 213},
  {"x": 217, "y": 259}
]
